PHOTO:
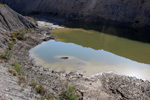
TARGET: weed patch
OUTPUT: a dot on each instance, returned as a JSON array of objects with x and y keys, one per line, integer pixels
[
  {"x": 21, "y": 80},
  {"x": 69, "y": 93},
  {"x": 6, "y": 55},
  {"x": 12, "y": 72},
  {"x": 33, "y": 84},
  {"x": 40, "y": 89},
  {"x": 18, "y": 68}
]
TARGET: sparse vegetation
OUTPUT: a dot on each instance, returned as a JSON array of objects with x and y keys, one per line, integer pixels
[
  {"x": 15, "y": 35},
  {"x": 6, "y": 55},
  {"x": 50, "y": 97},
  {"x": 30, "y": 30},
  {"x": 1, "y": 56},
  {"x": 33, "y": 84},
  {"x": 12, "y": 72},
  {"x": 41, "y": 90},
  {"x": 21, "y": 80},
  {"x": 20, "y": 35},
  {"x": 42, "y": 98},
  {"x": 11, "y": 44},
  {"x": 69, "y": 93},
  {"x": 36, "y": 19},
  {"x": 18, "y": 68}
]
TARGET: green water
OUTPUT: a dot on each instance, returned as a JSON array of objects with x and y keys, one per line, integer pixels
[
  {"x": 93, "y": 52},
  {"x": 130, "y": 49}
]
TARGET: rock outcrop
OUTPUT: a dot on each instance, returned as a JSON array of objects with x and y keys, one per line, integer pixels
[
  {"x": 133, "y": 13},
  {"x": 11, "y": 20}
]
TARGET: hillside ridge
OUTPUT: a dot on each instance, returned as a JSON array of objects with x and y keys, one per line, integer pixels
[{"x": 133, "y": 13}]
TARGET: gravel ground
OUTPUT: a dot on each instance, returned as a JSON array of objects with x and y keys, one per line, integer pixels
[{"x": 9, "y": 88}]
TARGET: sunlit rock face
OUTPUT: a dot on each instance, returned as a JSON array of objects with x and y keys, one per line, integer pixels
[{"x": 135, "y": 13}]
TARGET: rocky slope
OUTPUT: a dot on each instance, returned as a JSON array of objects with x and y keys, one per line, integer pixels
[
  {"x": 9, "y": 88},
  {"x": 135, "y": 13},
  {"x": 106, "y": 86},
  {"x": 10, "y": 21}
]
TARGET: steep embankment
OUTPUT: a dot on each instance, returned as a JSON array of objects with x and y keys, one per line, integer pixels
[
  {"x": 10, "y": 21},
  {"x": 135, "y": 13}
]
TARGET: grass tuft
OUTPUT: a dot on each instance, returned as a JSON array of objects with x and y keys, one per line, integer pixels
[
  {"x": 21, "y": 79},
  {"x": 33, "y": 84},
  {"x": 69, "y": 93},
  {"x": 41, "y": 90},
  {"x": 6, "y": 55},
  {"x": 20, "y": 35},
  {"x": 12, "y": 72},
  {"x": 18, "y": 68}
]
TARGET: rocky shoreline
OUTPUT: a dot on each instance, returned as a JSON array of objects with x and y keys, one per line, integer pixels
[{"x": 106, "y": 86}]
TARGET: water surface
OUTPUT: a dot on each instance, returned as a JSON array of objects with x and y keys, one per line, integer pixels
[{"x": 93, "y": 52}]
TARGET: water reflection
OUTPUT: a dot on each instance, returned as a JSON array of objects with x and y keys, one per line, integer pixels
[
  {"x": 89, "y": 60},
  {"x": 130, "y": 49},
  {"x": 129, "y": 33},
  {"x": 93, "y": 51}
]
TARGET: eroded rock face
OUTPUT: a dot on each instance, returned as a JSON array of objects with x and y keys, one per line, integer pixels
[
  {"x": 124, "y": 87},
  {"x": 135, "y": 13},
  {"x": 11, "y": 20}
]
